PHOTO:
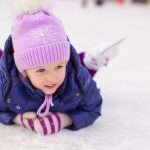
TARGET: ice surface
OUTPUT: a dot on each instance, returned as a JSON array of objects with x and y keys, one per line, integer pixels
[{"x": 125, "y": 83}]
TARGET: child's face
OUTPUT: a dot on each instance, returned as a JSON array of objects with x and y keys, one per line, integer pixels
[{"x": 47, "y": 78}]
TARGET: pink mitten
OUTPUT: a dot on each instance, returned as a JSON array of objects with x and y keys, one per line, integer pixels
[{"x": 49, "y": 124}]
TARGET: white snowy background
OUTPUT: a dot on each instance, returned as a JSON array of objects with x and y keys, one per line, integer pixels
[{"x": 125, "y": 82}]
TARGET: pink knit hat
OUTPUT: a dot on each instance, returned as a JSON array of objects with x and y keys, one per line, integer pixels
[{"x": 38, "y": 39}]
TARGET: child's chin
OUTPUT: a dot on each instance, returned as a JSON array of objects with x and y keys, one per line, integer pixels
[{"x": 49, "y": 92}]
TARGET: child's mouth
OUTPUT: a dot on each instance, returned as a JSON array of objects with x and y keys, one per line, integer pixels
[{"x": 50, "y": 86}]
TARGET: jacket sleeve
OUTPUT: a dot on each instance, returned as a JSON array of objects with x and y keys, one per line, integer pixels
[
  {"x": 89, "y": 108},
  {"x": 6, "y": 116}
]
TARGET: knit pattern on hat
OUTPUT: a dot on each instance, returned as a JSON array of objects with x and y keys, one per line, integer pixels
[{"x": 39, "y": 39}]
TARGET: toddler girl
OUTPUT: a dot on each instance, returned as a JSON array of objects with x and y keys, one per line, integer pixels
[{"x": 44, "y": 86}]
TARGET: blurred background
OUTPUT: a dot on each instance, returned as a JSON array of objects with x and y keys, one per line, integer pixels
[{"x": 124, "y": 83}]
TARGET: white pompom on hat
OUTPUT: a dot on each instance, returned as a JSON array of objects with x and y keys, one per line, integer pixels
[{"x": 30, "y": 6}]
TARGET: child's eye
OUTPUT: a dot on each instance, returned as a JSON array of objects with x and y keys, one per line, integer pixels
[
  {"x": 40, "y": 70},
  {"x": 59, "y": 67}
]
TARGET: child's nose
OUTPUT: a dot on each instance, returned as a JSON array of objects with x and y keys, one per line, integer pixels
[{"x": 51, "y": 78}]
